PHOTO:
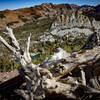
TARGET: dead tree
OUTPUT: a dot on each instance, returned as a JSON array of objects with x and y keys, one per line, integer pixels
[{"x": 51, "y": 76}]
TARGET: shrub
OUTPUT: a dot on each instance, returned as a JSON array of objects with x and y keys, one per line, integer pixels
[
  {"x": 2, "y": 16},
  {"x": 24, "y": 19},
  {"x": 76, "y": 48},
  {"x": 6, "y": 64},
  {"x": 68, "y": 48},
  {"x": 12, "y": 23}
]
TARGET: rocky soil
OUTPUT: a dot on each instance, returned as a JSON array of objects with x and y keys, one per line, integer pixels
[{"x": 5, "y": 76}]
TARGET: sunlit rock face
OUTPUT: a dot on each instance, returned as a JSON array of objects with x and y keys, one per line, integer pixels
[{"x": 74, "y": 22}]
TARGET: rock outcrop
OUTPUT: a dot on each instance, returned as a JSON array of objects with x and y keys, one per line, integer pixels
[{"x": 74, "y": 23}]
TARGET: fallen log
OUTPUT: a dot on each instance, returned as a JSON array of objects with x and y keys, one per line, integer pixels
[{"x": 57, "y": 75}]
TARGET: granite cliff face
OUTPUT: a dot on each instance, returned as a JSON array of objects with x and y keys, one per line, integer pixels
[{"x": 74, "y": 22}]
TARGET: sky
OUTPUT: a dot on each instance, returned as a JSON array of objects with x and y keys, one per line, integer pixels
[{"x": 15, "y": 4}]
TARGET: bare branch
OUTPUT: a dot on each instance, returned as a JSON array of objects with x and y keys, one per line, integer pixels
[
  {"x": 26, "y": 51},
  {"x": 83, "y": 76},
  {"x": 47, "y": 78},
  {"x": 7, "y": 45},
  {"x": 13, "y": 39}
]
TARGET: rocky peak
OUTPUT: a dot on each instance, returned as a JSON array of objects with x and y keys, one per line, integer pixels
[
  {"x": 86, "y": 8},
  {"x": 72, "y": 19}
]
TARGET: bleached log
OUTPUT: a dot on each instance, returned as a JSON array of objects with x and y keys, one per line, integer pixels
[
  {"x": 83, "y": 76},
  {"x": 81, "y": 58},
  {"x": 47, "y": 78},
  {"x": 30, "y": 71}
]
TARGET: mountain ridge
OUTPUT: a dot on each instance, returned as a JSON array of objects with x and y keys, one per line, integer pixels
[{"x": 23, "y": 16}]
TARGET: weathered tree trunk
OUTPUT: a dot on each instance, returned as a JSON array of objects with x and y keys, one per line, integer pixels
[{"x": 52, "y": 76}]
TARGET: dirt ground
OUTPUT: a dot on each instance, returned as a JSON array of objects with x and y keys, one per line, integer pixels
[{"x": 5, "y": 76}]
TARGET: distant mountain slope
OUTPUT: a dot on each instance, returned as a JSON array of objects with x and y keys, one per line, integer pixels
[
  {"x": 27, "y": 15},
  {"x": 22, "y": 16}
]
